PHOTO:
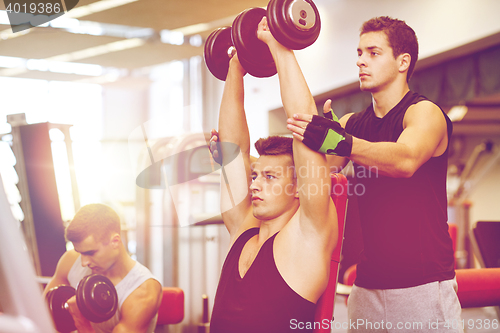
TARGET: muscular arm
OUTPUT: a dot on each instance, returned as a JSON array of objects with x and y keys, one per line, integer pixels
[
  {"x": 235, "y": 197},
  {"x": 62, "y": 269},
  {"x": 424, "y": 136},
  {"x": 139, "y": 308},
  {"x": 313, "y": 177}
]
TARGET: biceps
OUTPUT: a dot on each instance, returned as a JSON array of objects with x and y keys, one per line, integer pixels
[
  {"x": 425, "y": 130},
  {"x": 137, "y": 320},
  {"x": 59, "y": 278},
  {"x": 422, "y": 142}
]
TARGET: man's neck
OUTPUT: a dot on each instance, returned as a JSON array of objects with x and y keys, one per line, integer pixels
[
  {"x": 385, "y": 100},
  {"x": 121, "y": 267},
  {"x": 269, "y": 227}
]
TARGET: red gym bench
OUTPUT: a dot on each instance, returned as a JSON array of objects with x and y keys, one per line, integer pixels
[{"x": 171, "y": 309}]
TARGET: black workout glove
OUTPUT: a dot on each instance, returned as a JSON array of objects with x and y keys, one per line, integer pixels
[{"x": 328, "y": 136}]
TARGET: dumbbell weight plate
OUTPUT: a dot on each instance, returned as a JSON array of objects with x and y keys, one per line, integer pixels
[
  {"x": 294, "y": 23},
  {"x": 56, "y": 298},
  {"x": 96, "y": 298},
  {"x": 254, "y": 55},
  {"x": 216, "y": 52}
]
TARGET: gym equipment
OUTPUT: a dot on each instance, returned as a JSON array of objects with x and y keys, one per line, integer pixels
[
  {"x": 22, "y": 308},
  {"x": 56, "y": 299},
  {"x": 254, "y": 55},
  {"x": 204, "y": 326},
  {"x": 485, "y": 240},
  {"x": 171, "y": 309},
  {"x": 477, "y": 287},
  {"x": 218, "y": 51},
  {"x": 96, "y": 298},
  {"x": 294, "y": 23}
]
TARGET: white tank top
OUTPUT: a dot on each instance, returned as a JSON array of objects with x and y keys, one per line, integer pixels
[{"x": 137, "y": 276}]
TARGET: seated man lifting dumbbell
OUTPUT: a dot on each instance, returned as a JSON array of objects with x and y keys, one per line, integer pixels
[
  {"x": 284, "y": 231},
  {"x": 98, "y": 249}
]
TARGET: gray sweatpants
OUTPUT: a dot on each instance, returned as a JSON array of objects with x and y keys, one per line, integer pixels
[{"x": 432, "y": 307}]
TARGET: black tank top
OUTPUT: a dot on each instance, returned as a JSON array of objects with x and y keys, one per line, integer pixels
[
  {"x": 259, "y": 302},
  {"x": 403, "y": 220}
]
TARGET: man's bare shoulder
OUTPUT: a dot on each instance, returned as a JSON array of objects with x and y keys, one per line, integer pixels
[
  {"x": 140, "y": 307},
  {"x": 64, "y": 265},
  {"x": 67, "y": 261},
  {"x": 424, "y": 108},
  {"x": 425, "y": 112},
  {"x": 149, "y": 290}
]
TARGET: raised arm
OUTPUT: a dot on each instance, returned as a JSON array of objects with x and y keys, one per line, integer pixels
[
  {"x": 313, "y": 177},
  {"x": 235, "y": 179}
]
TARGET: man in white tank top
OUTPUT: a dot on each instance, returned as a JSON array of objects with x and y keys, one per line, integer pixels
[{"x": 98, "y": 249}]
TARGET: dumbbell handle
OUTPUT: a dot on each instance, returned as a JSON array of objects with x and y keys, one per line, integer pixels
[{"x": 231, "y": 51}]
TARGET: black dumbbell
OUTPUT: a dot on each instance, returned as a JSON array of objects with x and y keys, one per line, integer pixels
[
  {"x": 294, "y": 23},
  {"x": 254, "y": 55},
  {"x": 95, "y": 296},
  {"x": 218, "y": 51}
]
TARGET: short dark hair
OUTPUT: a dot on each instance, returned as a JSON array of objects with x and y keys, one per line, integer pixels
[
  {"x": 97, "y": 220},
  {"x": 275, "y": 145},
  {"x": 402, "y": 38}
]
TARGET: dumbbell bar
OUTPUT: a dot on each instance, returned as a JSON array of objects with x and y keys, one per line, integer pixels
[
  {"x": 294, "y": 23},
  {"x": 95, "y": 296}
]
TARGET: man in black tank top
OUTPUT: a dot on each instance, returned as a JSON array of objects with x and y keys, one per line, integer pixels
[
  {"x": 284, "y": 230},
  {"x": 399, "y": 149}
]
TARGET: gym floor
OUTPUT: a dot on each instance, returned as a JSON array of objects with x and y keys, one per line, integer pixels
[{"x": 476, "y": 320}]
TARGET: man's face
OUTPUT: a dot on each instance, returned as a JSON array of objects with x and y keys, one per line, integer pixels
[
  {"x": 273, "y": 186},
  {"x": 95, "y": 255},
  {"x": 377, "y": 66}
]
